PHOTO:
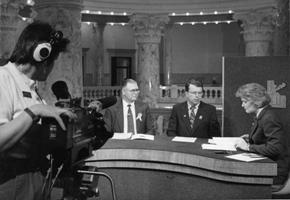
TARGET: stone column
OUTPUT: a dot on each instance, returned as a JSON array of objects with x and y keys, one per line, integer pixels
[
  {"x": 148, "y": 32},
  {"x": 281, "y": 34},
  {"x": 99, "y": 30},
  {"x": 9, "y": 21},
  {"x": 167, "y": 55},
  {"x": 64, "y": 15},
  {"x": 258, "y": 28}
]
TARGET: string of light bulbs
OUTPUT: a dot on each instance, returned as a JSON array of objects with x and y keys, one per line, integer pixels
[
  {"x": 171, "y": 14},
  {"x": 177, "y": 23}
]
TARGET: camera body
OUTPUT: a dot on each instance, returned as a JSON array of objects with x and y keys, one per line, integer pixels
[{"x": 80, "y": 138}]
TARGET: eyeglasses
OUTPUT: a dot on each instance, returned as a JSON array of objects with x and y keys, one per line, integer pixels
[
  {"x": 134, "y": 90},
  {"x": 196, "y": 93}
]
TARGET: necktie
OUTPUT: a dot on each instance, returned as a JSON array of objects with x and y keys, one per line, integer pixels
[
  {"x": 130, "y": 120},
  {"x": 192, "y": 116}
]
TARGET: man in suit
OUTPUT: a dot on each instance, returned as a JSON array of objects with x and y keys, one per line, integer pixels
[
  {"x": 129, "y": 115},
  {"x": 193, "y": 118}
]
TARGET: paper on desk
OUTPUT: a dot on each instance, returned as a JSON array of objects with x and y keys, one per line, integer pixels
[
  {"x": 141, "y": 136},
  {"x": 247, "y": 157},
  {"x": 122, "y": 136},
  {"x": 224, "y": 140},
  {"x": 218, "y": 147},
  {"x": 183, "y": 139}
]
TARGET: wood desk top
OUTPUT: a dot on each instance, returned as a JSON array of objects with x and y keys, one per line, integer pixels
[{"x": 181, "y": 157}]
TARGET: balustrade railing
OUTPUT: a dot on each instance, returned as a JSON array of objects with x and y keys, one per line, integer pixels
[
  {"x": 91, "y": 93},
  {"x": 168, "y": 94}
]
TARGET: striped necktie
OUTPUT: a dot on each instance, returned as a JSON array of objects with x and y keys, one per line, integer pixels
[
  {"x": 192, "y": 115},
  {"x": 130, "y": 120}
]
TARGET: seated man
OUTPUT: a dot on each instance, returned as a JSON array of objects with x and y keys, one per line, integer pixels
[
  {"x": 193, "y": 118},
  {"x": 129, "y": 115}
]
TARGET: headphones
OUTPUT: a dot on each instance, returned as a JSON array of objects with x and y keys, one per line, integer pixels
[{"x": 42, "y": 50}]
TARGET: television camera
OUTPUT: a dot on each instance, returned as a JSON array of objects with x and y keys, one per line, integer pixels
[{"x": 69, "y": 148}]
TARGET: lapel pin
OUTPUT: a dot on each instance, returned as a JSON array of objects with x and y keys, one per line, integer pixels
[
  {"x": 139, "y": 117},
  {"x": 200, "y": 117}
]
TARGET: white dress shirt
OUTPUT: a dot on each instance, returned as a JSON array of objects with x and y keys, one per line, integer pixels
[{"x": 17, "y": 92}]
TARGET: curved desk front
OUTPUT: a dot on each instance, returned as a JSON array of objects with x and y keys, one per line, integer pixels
[{"x": 162, "y": 169}]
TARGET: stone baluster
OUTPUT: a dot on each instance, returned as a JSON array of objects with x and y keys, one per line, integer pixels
[
  {"x": 148, "y": 31},
  {"x": 64, "y": 15},
  {"x": 258, "y": 28}
]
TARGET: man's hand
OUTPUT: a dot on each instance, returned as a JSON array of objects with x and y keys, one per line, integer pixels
[
  {"x": 96, "y": 105},
  {"x": 43, "y": 110}
]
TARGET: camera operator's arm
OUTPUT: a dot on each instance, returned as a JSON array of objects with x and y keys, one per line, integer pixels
[{"x": 13, "y": 130}]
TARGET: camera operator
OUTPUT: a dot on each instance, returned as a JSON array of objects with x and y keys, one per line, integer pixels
[{"x": 21, "y": 143}]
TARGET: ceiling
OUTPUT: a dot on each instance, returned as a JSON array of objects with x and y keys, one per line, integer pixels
[
  {"x": 185, "y": 11},
  {"x": 174, "y": 6}
]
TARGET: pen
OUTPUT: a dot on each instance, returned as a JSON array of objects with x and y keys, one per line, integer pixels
[{"x": 220, "y": 152}]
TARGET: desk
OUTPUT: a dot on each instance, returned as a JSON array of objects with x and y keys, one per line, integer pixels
[{"x": 162, "y": 169}]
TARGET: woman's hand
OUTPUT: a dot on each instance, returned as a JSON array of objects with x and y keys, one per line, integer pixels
[
  {"x": 43, "y": 110},
  {"x": 245, "y": 137},
  {"x": 242, "y": 144}
]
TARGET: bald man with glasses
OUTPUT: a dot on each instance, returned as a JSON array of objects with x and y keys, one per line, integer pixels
[
  {"x": 129, "y": 115},
  {"x": 193, "y": 118}
]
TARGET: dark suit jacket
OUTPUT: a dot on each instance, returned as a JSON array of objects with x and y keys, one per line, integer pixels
[
  {"x": 205, "y": 124},
  {"x": 268, "y": 138},
  {"x": 114, "y": 121}
]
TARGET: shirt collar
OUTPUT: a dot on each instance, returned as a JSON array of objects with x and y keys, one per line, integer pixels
[
  {"x": 29, "y": 82},
  {"x": 189, "y": 105},
  {"x": 259, "y": 111},
  {"x": 125, "y": 103}
]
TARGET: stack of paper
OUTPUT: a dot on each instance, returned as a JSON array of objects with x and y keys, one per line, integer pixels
[
  {"x": 141, "y": 136},
  {"x": 183, "y": 139},
  {"x": 130, "y": 136},
  {"x": 122, "y": 136}
]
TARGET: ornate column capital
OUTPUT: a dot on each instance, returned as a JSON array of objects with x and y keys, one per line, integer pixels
[
  {"x": 258, "y": 27},
  {"x": 148, "y": 28},
  {"x": 258, "y": 24}
]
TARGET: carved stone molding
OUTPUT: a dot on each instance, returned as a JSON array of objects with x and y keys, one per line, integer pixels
[
  {"x": 258, "y": 27},
  {"x": 69, "y": 4},
  {"x": 9, "y": 20},
  {"x": 148, "y": 28}
]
